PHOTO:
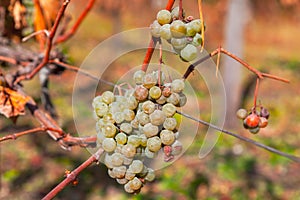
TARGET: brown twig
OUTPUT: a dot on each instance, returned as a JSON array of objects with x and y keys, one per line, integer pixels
[
  {"x": 73, "y": 175},
  {"x": 72, "y": 31},
  {"x": 180, "y": 15},
  {"x": 14, "y": 136},
  {"x": 152, "y": 43},
  {"x": 49, "y": 45},
  {"x": 255, "y": 93},
  {"x": 245, "y": 139},
  {"x": 259, "y": 74},
  {"x": 12, "y": 61}
]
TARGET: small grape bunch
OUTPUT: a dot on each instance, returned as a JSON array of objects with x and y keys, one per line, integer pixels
[
  {"x": 136, "y": 126},
  {"x": 184, "y": 35},
  {"x": 255, "y": 120}
]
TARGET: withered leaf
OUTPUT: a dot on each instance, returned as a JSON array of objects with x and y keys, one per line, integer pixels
[{"x": 12, "y": 103}]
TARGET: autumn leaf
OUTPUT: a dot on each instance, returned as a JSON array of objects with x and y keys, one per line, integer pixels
[{"x": 12, "y": 103}]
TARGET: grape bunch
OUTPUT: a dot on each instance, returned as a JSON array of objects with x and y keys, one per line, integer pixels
[
  {"x": 255, "y": 120},
  {"x": 184, "y": 35},
  {"x": 137, "y": 125}
]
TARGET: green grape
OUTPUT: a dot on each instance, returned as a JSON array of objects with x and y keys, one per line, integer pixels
[
  {"x": 178, "y": 29},
  {"x": 135, "y": 183},
  {"x": 254, "y": 130},
  {"x": 196, "y": 25},
  {"x": 128, "y": 189},
  {"x": 126, "y": 128},
  {"x": 190, "y": 31},
  {"x": 155, "y": 92},
  {"x": 95, "y": 116},
  {"x": 122, "y": 181},
  {"x": 149, "y": 154},
  {"x": 161, "y": 100},
  {"x": 136, "y": 166},
  {"x": 174, "y": 99},
  {"x": 157, "y": 117},
  {"x": 111, "y": 173},
  {"x": 150, "y": 175},
  {"x": 128, "y": 115},
  {"x": 197, "y": 40},
  {"x": 178, "y": 43},
  {"x": 120, "y": 171},
  {"x": 129, "y": 174},
  {"x": 101, "y": 109},
  {"x": 127, "y": 161},
  {"x": 114, "y": 107},
  {"x": 170, "y": 124},
  {"x": 97, "y": 99},
  {"x": 155, "y": 29},
  {"x": 109, "y": 144},
  {"x": 150, "y": 130},
  {"x": 167, "y": 90},
  {"x": 108, "y": 161},
  {"x": 119, "y": 148},
  {"x": 182, "y": 100},
  {"x": 154, "y": 144},
  {"x": 175, "y": 13},
  {"x": 117, "y": 159},
  {"x": 165, "y": 32},
  {"x": 143, "y": 140},
  {"x": 148, "y": 106},
  {"x": 135, "y": 123},
  {"x": 108, "y": 118},
  {"x": 109, "y": 130},
  {"x": 141, "y": 93},
  {"x": 242, "y": 113},
  {"x": 100, "y": 138},
  {"x": 108, "y": 97},
  {"x": 138, "y": 77},
  {"x": 177, "y": 85},
  {"x": 121, "y": 138},
  {"x": 164, "y": 17},
  {"x": 134, "y": 140},
  {"x": 132, "y": 103},
  {"x": 149, "y": 80},
  {"x": 99, "y": 125},
  {"x": 167, "y": 137},
  {"x": 129, "y": 150},
  {"x": 143, "y": 118},
  {"x": 119, "y": 117},
  {"x": 169, "y": 109},
  {"x": 189, "y": 52},
  {"x": 176, "y": 148}
]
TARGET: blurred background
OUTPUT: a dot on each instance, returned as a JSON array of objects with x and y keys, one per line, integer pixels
[{"x": 264, "y": 33}]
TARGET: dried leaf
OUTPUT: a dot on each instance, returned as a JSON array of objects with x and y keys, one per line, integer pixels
[
  {"x": 18, "y": 12},
  {"x": 12, "y": 103}
]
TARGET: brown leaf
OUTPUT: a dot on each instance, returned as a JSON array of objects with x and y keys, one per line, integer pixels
[{"x": 12, "y": 103}]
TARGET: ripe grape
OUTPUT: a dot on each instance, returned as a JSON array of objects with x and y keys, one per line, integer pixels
[
  {"x": 128, "y": 115},
  {"x": 197, "y": 40},
  {"x": 117, "y": 159},
  {"x": 108, "y": 97},
  {"x": 129, "y": 150},
  {"x": 161, "y": 100},
  {"x": 138, "y": 77},
  {"x": 154, "y": 144},
  {"x": 136, "y": 166},
  {"x": 122, "y": 181},
  {"x": 196, "y": 25},
  {"x": 109, "y": 144},
  {"x": 165, "y": 32},
  {"x": 189, "y": 52},
  {"x": 121, "y": 138},
  {"x": 167, "y": 137},
  {"x": 150, "y": 130},
  {"x": 132, "y": 103},
  {"x": 242, "y": 113},
  {"x": 140, "y": 93},
  {"x": 190, "y": 31},
  {"x": 169, "y": 109},
  {"x": 126, "y": 128},
  {"x": 178, "y": 43},
  {"x": 143, "y": 118},
  {"x": 150, "y": 175},
  {"x": 109, "y": 130},
  {"x": 155, "y": 92},
  {"x": 149, "y": 154},
  {"x": 148, "y": 106},
  {"x": 254, "y": 130},
  {"x": 155, "y": 29},
  {"x": 149, "y": 80},
  {"x": 252, "y": 121},
  {"x": 119, "y": 172},
  {"x": 100, "y": 108},
  {"x": 134, "y": 140},
  {"x": 164, "y": 17},
  {"x": 119, "y": 117},
  {"x": 174, "y": 99},
  {"x": 157, "y": 117},
  {"x": 128, "y": 188},
  {"x": 263, "y": 122},
  {"x": 178, "y": 29},
  {"x": 170, "y": 124},
  {"x": 177, "y": 85},
  {"x": 135, "y": 183}
]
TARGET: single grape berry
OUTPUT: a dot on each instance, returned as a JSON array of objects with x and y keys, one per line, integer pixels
[
  {"x": 164, "y": 17},
  {"x": 263, "y": 122},
  {"x": 178, "y": 29},
  {"x": 264, "y": 113},
  {"x": 254, "y": 130},
  {"x": 252, "y": 121},
  {"x": 155, "y": 29},
  {"x": 165, "y": 32},
  {"x": 189, "y": 53},
  {"x": 108, "y": 97},
  {"x": 138, "y": 77},
  {"x": 178, "y": 43},
  {"x": 141, "y": 93},
  {"x": 242, "y": 113}
]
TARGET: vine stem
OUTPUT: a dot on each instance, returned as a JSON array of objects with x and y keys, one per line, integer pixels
[
  {"x": 219, "y": 50},
  {"x": 180, "y": 15},
  {"x": 49, "y": 45},
  {"x": 256, "y": 94},
  {"x": 72, "y": 31},
  {"x": 70, "y": 177},
  {"x": 152, "y": 43},
  {"x": 245, "y": 139}
]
